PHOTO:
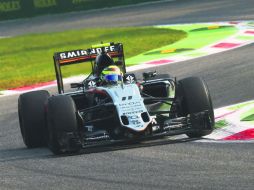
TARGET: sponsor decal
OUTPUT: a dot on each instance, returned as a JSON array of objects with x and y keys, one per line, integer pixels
[
  {"x": 79, "y": 1},
  {"x": 91, "y": 84},
  {"x": 8, "y": 6},
  {"x": 73, "y": 54},
  {"x": 125, "y": 98},
  {"x": 130, "y": 79},
  {"x": 131, "y": 108},
  {"x": 134, "y": 119},
  {"x": 80, "y": 53},
  {"x": 44, "y": 3}
]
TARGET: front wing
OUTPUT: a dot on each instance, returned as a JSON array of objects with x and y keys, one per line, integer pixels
[{"x": 192, "y": 123}]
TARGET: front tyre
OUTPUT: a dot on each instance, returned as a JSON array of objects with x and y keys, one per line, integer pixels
[
  {"x": 195, "y": 98},
  {"x": 32, "y": 121},
  {"x": 63, "y": 134}
]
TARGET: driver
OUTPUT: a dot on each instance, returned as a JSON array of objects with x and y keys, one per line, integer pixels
[
  {"x": 102, "y": 61},
  {"x": 111, "y": 75}
]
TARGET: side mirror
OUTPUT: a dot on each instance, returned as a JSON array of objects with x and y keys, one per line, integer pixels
[
  {"x": 77, "y": 85},
  {"x": 149, "y": 75}
]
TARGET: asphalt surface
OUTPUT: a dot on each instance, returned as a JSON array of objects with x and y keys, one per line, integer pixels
[
  {"x": 172, "y": 12},
  {"x": 172, "y": 164}
]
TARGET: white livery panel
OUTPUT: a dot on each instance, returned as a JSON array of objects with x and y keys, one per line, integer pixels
[{"x": 129, "y": 103}]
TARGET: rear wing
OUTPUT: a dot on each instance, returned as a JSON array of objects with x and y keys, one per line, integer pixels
[{"x": 115, "y": 50}]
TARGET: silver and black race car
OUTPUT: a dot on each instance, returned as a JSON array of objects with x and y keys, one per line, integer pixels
[{"x": 100, "y": 112}]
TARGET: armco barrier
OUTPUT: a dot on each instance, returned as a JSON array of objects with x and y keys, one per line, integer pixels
[{"x": 12, "y": 9}]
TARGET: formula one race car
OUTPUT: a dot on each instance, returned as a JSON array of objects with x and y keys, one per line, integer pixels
[{"x": 111, "y": 105}]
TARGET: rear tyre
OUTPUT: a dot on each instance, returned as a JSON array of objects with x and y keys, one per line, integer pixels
[
  {"x": 32, "y": 121},
  {"x": 62, "y": 125},
  {"x": 196, "y": 98}
]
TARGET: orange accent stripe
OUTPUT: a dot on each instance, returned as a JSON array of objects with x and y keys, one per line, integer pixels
[
  {"x": 84, "y": 58},
  {"x": 75, "y": 59}
]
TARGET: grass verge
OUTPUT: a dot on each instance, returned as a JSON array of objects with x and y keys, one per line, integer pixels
[
  {"x": 196, "y": 39},
  {"x": 27, "y": 60}
]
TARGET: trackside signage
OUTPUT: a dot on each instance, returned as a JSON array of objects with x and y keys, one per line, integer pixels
[
  {"x": 11, "y": 9},
  {"x": 9, "y": 6},
  {"x": 44, "y": 3}
]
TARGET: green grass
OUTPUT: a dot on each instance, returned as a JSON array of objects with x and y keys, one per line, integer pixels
[
  {"x": 195, "y": 40},
  {"x": 240, "y": 106},
  {"x": 221, "y": 124},
  {"x": 26, "y": 60}
]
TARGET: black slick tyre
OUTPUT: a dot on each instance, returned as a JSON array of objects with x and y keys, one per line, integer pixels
[
  {"x": 31, "y": 111},
  {"x": 62, "y": 120},
  {"x": 196, "y": 98}
]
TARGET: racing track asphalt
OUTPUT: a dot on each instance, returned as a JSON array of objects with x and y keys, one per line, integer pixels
[
  {"x": 172, "y": 12},
  {"x": 174, "y": 164}
]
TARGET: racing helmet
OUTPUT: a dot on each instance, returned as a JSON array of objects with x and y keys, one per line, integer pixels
[
  {"x": 111, "y": 74},
  {"x": 102, "y": 61}
]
